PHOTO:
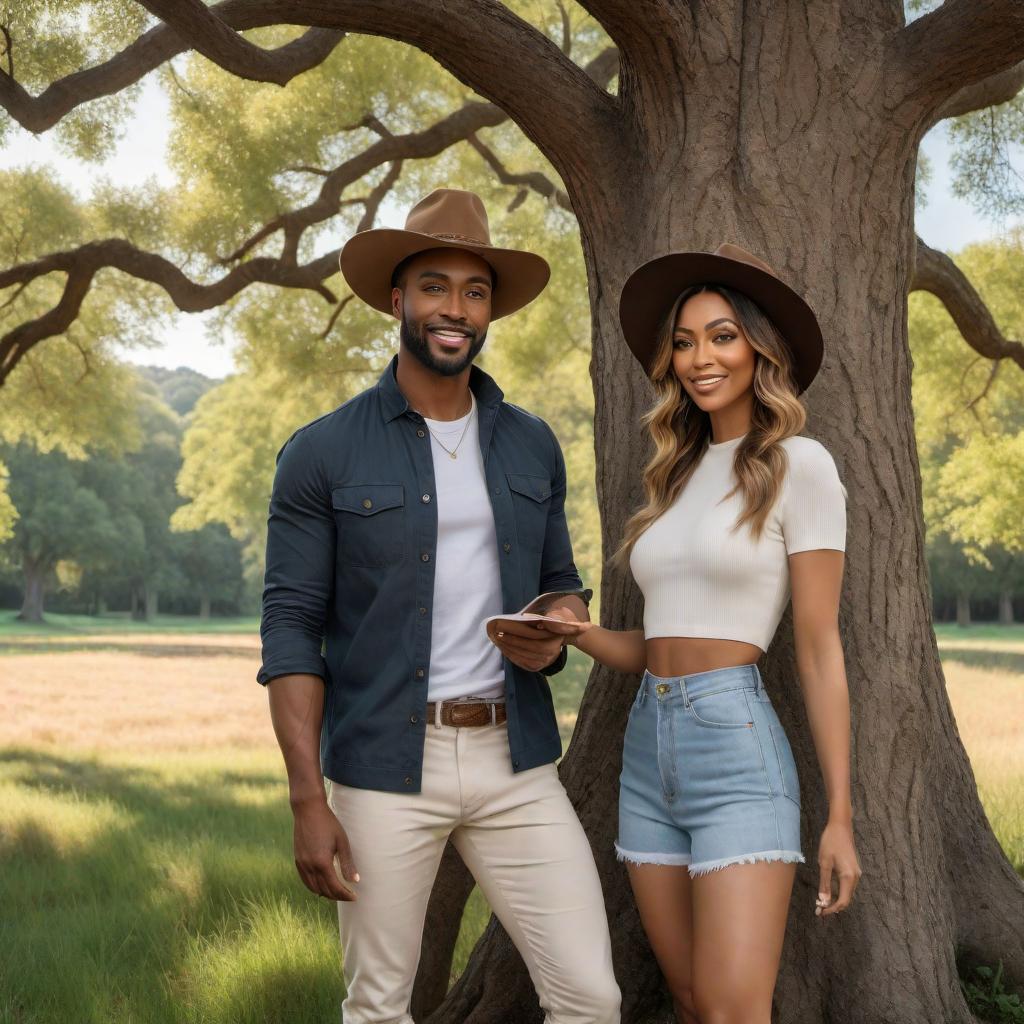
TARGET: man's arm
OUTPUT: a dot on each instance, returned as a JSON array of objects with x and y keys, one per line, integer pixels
[
  {"x": 299, "y": 576},
  {"x": 296, "y": 709}
]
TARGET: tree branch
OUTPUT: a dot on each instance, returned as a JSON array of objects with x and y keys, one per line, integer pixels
[
  {"x": 476, "y": 40},
  {"x": 416, "y": 145},
  {"x": 989, "y": 92},
  {"x": 82, "y": 264},
  {"x": 148, "y": 52},
  {"x": 950, "y": 49},
  {"x": 935, "y": 272},
  {"x": 540, "y": 183},
  {"x": 216, "y": 40}
]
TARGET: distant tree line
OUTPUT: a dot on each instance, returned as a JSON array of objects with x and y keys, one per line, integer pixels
[{"x": 94, "y": 534}]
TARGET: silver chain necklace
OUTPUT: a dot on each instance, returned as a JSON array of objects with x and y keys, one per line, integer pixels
[{"x": 454, "y": 452}]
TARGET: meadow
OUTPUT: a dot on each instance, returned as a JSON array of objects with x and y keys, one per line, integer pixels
[{"x": 145, "y": 838}]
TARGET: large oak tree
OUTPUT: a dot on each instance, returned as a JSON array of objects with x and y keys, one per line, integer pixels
[{"x": 792, "y": 129}]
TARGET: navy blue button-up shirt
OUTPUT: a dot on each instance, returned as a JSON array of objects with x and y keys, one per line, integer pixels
[{"x": 350, "y": 573}]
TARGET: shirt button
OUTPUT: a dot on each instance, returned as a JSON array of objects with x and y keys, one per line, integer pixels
[
  {"x": 367, "y": 503},
  {"x": 421, "y": 433},
  {"x": 425, "y": 499},
  {"x": 507, "y": 547},
  {"x": 408, "y": 780},
  {"x": 423, "y": 611},
  {"x": 425, "y": 557},
  {"x": 420, "y": 673},
  {"x": 414, "y": 719},
  {"x": 515, "y": 764},
  {"x": 497, "y": 490}
]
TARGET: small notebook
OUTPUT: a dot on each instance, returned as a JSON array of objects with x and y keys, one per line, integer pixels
[{"x": 534, "y": 611}]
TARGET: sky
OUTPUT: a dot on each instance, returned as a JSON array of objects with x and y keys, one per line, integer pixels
[{"x": 946, "y": 222}]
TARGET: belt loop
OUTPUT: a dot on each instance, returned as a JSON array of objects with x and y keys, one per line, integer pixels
[
  {"x": 643, "y": 692},
  {"x": 437, "y": 714},
  {"x": 758, "y": 684},
  {"x": 494, "y": 713}
]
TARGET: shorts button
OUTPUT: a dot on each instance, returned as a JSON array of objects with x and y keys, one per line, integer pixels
[
  {"x": 420, "y": 673},
  {"x": 423, "y": 611},
  {"x": 662, "y": 689},
  {"x": 425, "y": 499},
  {"x": 414, "y": 719},
  {"x": 507, "y": 547},
  {"x": 425, "y": 557},
  {"x": 421, "y": 433},
  {"x": 367, "y": 503}
]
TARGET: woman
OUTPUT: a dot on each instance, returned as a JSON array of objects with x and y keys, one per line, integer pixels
[{"x": 741, "y": 512}]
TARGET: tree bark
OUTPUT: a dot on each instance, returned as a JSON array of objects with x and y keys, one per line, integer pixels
[
  {"x": 1006, "y": 608},
  {"x": 34, "y": 574},
  {"x": 963, "y": 609},
  {"x": 814, "y": 176},
  {"x": 138, "y": 608}
]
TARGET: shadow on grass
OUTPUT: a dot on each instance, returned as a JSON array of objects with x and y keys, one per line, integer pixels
[
  {"x": 996, "y": 661},
  {"x": 127, "y": 891}
]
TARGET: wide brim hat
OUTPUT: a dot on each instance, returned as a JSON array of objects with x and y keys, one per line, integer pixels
[
  {"x": 448, "y": 218},
  {"x": 652, "y": 289}
]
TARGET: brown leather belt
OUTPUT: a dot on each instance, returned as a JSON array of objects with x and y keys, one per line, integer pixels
[{"x": 467, "y": 714}]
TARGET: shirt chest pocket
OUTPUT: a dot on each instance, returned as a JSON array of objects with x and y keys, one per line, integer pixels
[
  {"x": 370, "y": 520},
  {"x": 531, "y": 502}
]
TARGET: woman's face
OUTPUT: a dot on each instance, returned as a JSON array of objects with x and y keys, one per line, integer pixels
[{"x": 710, "y": 353}]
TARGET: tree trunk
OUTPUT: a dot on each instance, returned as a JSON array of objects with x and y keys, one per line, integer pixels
[
  {"x": 35, "y": 589},
  {"x": 204, "y": 606},
  {"x": 138, "y": 610},
  {"x": 815, "y": 177},
  {"x": 1006, "y": 608},
  {"x": 152, "y": 603},
  {"x": 963, "y": 609}
]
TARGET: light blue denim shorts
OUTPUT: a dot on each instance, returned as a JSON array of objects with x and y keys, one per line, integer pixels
[{"x": 708, "y": 777}]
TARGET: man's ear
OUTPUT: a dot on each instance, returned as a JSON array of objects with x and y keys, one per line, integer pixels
[{"x": 396, "y": 302}]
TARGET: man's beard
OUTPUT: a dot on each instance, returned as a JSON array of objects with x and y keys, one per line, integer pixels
[{"x": 414, "y": 340}]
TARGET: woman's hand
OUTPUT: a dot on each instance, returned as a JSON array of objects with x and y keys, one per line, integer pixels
[
  {"x": 570, "y": 627},
  {"x": 837, "y": 855}
]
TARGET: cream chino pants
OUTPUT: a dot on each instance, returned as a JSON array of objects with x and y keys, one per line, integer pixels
[{"x": 519, "y": 836}]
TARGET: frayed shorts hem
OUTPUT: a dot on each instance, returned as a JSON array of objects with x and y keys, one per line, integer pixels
[
  {"x": 673, "y": 859},
  {"x": 764, "y": 856}
]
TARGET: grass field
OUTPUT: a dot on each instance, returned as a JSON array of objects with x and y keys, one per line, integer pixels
[{"x": 145, "y": 837}]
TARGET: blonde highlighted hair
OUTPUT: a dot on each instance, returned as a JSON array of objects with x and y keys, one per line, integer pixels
[{"x": 681, "y": 431}]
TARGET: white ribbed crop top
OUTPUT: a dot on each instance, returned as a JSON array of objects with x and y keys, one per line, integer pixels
[{"x": 701, "y": 579}]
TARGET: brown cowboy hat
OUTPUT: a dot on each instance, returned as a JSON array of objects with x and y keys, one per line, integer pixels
[
  {"x": 448, "y": 218},
  {"x": 652, "y": 289}
]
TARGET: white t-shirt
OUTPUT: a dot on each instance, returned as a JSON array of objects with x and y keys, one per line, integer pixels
[
  {"x": 467, "y": 579},
  {"x": 700, "y": 578}
]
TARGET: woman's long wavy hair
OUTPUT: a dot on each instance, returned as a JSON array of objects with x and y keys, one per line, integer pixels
[{"x": 681, "y": 431}]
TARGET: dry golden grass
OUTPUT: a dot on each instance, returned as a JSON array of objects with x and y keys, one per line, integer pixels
[
  {"x": 162, "y": 692},
  {"x": 131, "y": 701},
  {"x": 989, "y": 709}
]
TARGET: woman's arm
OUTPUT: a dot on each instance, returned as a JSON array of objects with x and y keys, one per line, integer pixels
[
  {"x": 816, "y": 580},
  {"x": 622, "y": 650}
]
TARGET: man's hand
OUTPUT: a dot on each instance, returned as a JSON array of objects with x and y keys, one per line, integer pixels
[
  {"x": 320, "y": 843},
  {"x": 534, "y": 646}
]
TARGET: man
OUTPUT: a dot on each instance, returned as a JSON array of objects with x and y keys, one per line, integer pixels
[{"x": 398, "y": 523}]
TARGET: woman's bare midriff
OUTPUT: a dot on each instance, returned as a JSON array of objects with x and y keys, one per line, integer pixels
[{"x": 684, "y": 655}]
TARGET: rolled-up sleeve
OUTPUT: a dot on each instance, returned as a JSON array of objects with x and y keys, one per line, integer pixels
[
  {"x": 300, "y": 566},
  {"x": 557, "y": 569}
]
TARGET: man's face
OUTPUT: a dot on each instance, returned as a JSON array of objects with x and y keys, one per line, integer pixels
[{"x": 443, "y": 300}]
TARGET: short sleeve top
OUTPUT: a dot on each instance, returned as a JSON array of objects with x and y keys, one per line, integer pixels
[{"x": 702, "y": 578}]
